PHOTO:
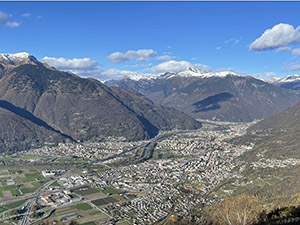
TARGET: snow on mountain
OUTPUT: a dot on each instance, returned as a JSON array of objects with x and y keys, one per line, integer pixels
[
  {"x": 290, "y": 82},
  {"x": 288, "y": 79},
  {"x": 17, "y": 58},
  {"x": 188, "y": 72},
  {"x": 193, "y": 72},
  {"x": 138, "y": 77}
]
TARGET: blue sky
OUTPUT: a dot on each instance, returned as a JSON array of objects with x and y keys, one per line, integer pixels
[{"x": 110, "y": 39}]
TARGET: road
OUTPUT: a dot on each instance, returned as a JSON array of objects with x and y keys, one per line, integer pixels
[{"x": 28, "y": 205}]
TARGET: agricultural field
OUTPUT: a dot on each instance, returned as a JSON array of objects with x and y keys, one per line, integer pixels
[
  {"x": 82, "y": 213},
  {"x": 112, "y": 190},
  {"x": 12, "y": 205},
  {"x": 16, "y": 183},
  {"x": 104, "y": 201}
]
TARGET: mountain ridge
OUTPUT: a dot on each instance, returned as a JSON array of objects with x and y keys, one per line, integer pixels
[
  {"x": 251, "y": 98},
  {"x": 83, "y": 109}
]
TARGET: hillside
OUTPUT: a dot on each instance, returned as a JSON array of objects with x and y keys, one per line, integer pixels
[{"x": 83, "y": 109}]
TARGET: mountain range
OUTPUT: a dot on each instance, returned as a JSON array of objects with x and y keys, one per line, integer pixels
[
  {"x": 39, "y": 104},
  {"x": 290, "y": 82},
  {"x": 224, "y": 96}
]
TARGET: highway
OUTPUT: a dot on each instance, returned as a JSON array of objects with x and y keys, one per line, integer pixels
[{"x": 28, "y": 205}]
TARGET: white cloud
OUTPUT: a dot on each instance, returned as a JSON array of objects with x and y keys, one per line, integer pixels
[
  {"x": 176, "y": 66},
  {"x": 233, "y": 40},
  {"x": 26, "y": 14},
  {"x": 291, "y": 67},
  {"x": 39, "y": 17},
  {"x": 265, "y": 75},
  {"x": 83, "y": 67},
  {"x": 296, "y": 52},
  {"x": 218, "y": 48},
  {"x": 13, "y": 24},
  {"x": 165, "y": 57},
  {"x": 4, "y": 20},
  {"x": 283, "y": 49},
  {"x": 280, "y": 35},
  {"x": 117, "y": 57},
  {"x": 229, "y": 69},
  {"x": 139, "y": 55}
]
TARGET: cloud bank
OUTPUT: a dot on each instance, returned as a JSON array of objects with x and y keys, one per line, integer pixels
[{"x": 83, "y": 67}]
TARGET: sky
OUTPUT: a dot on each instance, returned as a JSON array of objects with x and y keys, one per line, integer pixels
[{"x": 108, "y": 40}]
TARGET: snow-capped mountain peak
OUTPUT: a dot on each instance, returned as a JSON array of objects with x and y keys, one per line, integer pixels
[
  {"x": 289, "y": 79},
  {"x": 17, "y": 58}
]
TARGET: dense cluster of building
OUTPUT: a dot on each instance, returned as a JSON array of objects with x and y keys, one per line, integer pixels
[
  {"x": 273, "y": 163},
  {"x": 175, "y": 185},
  {"x": 88, "y": 150},
  {"x": 165, "y": 186}
]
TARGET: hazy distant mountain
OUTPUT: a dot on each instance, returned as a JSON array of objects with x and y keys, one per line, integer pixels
[
  {"x": 224, "y": 96},
  {"x": 290, "y": 82},
  {"x": 66, "y": 105}
]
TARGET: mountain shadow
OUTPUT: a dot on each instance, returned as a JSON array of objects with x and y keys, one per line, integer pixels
[
  {"x": 29, "y": 116},
  {"x": 152, "y": 130},
  {"x": 211, "y": 102}
]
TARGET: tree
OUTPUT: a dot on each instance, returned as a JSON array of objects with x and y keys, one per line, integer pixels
[{"x": 240, "y": 210}]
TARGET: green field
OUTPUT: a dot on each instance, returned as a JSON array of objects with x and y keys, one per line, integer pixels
[
  {"x": 104, "y": 201},
  {"x": 55, "y": 184},
  {"x": 33, "y": 177},
  {"x": 20, "y": 177},
  {"x": 89, "y": 223},
  {"x": 28, "y": 190},
  {"x": 82, "y": 206},
  {"x": 101, "y": 170},
  {"x": 73, "y": 195},
  {"x": 112, "y": 190},
  {"x": 36, "y": 184},
  {"x": 12, "y": 205},
  {"x": 12, "y": 188}
]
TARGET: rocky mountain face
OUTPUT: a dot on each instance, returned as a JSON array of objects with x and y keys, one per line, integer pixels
[
  {"x": 38, "y": 102},
  {"x": 224, "y": 96}
]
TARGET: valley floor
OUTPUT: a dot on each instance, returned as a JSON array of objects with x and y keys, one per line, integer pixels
[{"x": 116, "y": 182}]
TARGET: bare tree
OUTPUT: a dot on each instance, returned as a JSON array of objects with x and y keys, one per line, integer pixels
[{"x": 241, "y": 210}]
